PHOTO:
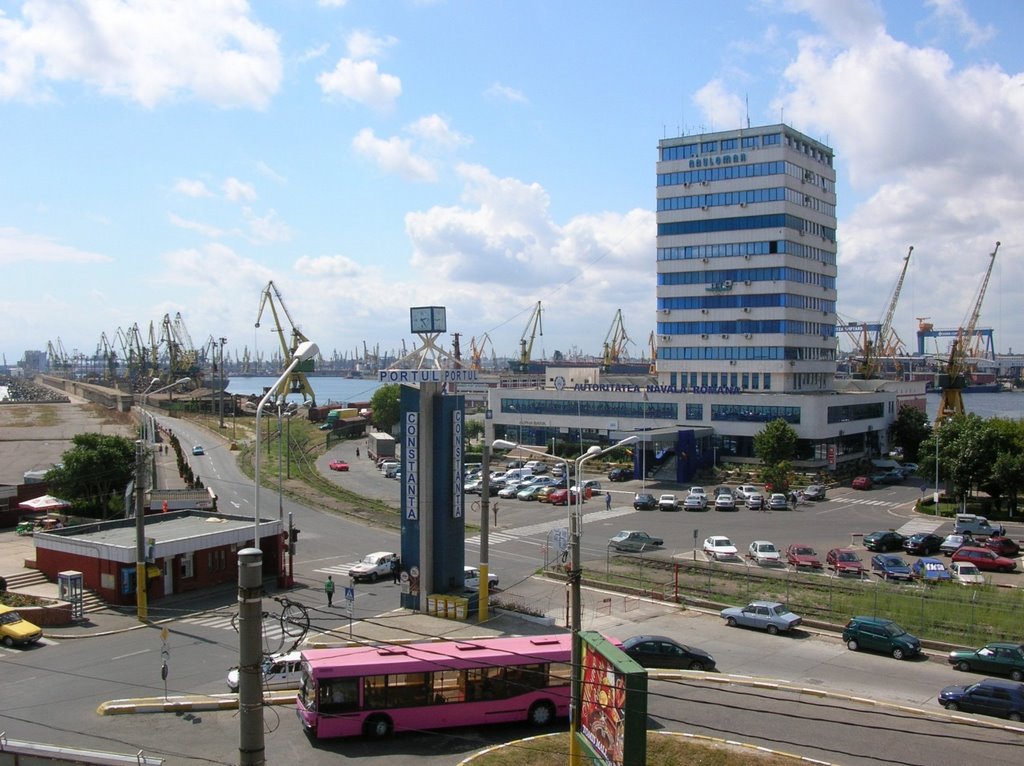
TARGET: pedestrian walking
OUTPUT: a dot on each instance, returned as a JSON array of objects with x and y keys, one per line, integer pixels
[
  {"x": 495, "y": 507},
  {"x": 396, "y": 571},
  {"x": 607, "y": 501},
  {"x": 357, "y": 451},
  {"x": 329, "y": 589}
]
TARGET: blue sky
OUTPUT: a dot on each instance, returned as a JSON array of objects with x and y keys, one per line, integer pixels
[{"x": 175, "y": 156}]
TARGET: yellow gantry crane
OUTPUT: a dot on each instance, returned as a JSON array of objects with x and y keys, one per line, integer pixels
[
  {"x": 296, "y": 382},
  {"x": 957, "y": 367},
  {"x": 615, "y": 341},
  {"x": 476, "y": 351},
  {"x": 534, "y": 327}
]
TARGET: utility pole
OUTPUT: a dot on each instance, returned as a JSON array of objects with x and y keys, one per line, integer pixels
[
  {"x": 140, "y": 532},
  {"x": 220, "y": 394},
  {"x": 485, "y": 509},
  {"x": 251, "y": 748}
]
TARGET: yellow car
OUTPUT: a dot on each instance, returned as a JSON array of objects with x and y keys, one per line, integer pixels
[{"x": 14, "y": 630}]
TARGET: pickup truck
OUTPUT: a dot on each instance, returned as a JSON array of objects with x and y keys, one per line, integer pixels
[{"x": 373, "y": 567}]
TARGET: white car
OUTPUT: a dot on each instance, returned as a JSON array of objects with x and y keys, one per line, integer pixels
[
  {"x": 698, "y": 491},
  {"x": 473, "y": 578},
  {"x": 764, "y": 552},
  {"x": 746, "y": 490},
  {"x": 668, "y": 503},
  {"x": 373, "y": 567},
  {"x": 278, "y": 671},
  {"x": 966, "y": 573},
  {"x": 718, "y": 546}
]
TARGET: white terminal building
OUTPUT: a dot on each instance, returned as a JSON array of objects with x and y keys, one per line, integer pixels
[{"x": 746, "y": 322}]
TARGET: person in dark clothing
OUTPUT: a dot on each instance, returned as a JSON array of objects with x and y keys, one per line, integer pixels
[
  {"x": 329, "y": 589},
  {"x": 396, "y": 571}
]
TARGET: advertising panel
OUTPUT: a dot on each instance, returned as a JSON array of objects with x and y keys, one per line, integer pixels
[{"x": 612, "y": 705}]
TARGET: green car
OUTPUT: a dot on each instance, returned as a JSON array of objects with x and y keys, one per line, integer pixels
[{"x": 999, "y": 658}]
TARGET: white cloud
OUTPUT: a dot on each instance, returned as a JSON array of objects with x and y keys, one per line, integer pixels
[
  {"x": 236, "y": 190},
  {"x": 506, "y": 93},
  {"x": 266, "y": 228},
  {"x": 722, "y": 107},
  {"x": 953, "y": 14},
  {"x": 360, "y": 81},
  {"x": 332, "y": 3},
  {"x": 270, "y": 173},
  {"x": 433, "y": 129},
  {"x": 313, "y": 53},
  {"x": 394, "y": 155},
  {"x": 18, "y": 247},
  {"x": 201, "y": 228},
  {"x": 192, "y": 188},
  {"x": 146, "y": 52},
  {"x": 363, "y": 44}
]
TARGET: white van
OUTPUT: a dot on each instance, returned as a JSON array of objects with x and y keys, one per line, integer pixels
[
  {"x": 977, "y": 526},
  {"x": 517, "y": 474},
  {"x": 389, "y": 467},
  {"x": 536, "y": 466}
]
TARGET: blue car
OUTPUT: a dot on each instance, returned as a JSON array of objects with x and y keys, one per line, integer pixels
[
  {"x": 890, "y": 567},
  {"x": 931, "y": 570}
]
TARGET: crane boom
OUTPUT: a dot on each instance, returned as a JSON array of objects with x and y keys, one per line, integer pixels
[
  {"x": 297, "y": 382},
  {"x": 615, "y": 341},
  {"x": 534, "y": 327},
  {"x": 886, "y": 331},
  {"x": 952, "y": 402}
]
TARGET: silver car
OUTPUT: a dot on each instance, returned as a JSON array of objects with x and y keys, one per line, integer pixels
[{"x": 764, "y": 615}]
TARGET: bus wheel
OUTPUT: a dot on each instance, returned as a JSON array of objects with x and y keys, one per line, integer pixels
[
  {"x": 377, "y": 727},
  {"x": 542, "y": 714}
]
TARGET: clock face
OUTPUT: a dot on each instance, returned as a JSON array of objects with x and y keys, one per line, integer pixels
[
  {"x": 420, "y": 319},
  {"x": 439, "y": 322}
]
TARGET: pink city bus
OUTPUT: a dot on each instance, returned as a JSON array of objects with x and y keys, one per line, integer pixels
[{"x": 376, "y": 690}]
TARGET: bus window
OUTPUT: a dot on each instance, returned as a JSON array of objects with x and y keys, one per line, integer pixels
[
  {"x": 525, "y": 678},
  {"x": 559, "y": 674},
  {"x": 338, "y": 695},
  {"x": 447, "y": 686},
  {"x": 486, "y": 684}
]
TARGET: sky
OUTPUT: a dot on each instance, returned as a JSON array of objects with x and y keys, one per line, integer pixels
[{"x": 174, "y": 157}]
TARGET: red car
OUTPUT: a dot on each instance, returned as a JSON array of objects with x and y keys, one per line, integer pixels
[
  {"x": 339, "y": 465},
  {"x": 801, "y": 555},
  {"x": 1004, "y": 546},
  {"x": 845, "y": 561},
  {"x": 561, "y": 497},
  {"x": 862, "y": 482},
  {"x": 985, "y": 559}
]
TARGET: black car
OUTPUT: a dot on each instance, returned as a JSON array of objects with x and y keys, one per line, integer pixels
[
  {"x": 923, "y": 544},
  {"x": 885, "y": 540},
  {"x": 644, "y": 501},
  {"x": 662, "y": 652},
  {"x": 993, "y": 696},
  {"x": 620, "y": 474}
]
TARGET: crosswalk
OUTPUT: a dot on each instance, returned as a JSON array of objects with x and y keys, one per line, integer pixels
[
  {"x": 866, "y": 501},
  {"x": 496, "y": 538}
]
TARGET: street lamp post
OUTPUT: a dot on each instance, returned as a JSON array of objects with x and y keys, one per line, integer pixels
[
  {"x": 935, "y": 498},
  {"x": 220, "y": 392},
  {"x": 251, "y": 748},
  {"x": 575, "y": 502}
]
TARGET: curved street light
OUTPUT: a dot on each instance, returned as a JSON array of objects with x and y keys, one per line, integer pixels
[{"x": 575, "y": 572}]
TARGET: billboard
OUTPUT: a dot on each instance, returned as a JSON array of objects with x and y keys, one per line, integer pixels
[{"x": 612, "y": 705}]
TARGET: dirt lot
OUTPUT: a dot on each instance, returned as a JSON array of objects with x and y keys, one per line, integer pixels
[{"x": 34, "y": 436}]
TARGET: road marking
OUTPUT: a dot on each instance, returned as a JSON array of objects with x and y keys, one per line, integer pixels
[
  {"x": 131, "y": 654},
  {"x": 495, "y": 538}
]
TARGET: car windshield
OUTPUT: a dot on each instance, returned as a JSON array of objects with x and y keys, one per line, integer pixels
[
  {"x": 368, "y": 559},
  {"x": 766, "y": 547},
  {"x": 894, "y": 630},
  {"x": 722, "y": 542},
  {"x": 968, "y": 569},
  {"x": 804, "y": 551},
  {"x": 9, "y": 618},
  {"x": 848, "y": 556}
]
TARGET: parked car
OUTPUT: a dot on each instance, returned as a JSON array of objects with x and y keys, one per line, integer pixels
[
  {"x": 993, "y": 696},
  {"x": 1004, "y": 546},
  {"x": 953, "y": 542},
  {"x": 695, "y": 503},
  {"x": 765, "y": 615},
  {"x": 536, "y": 466},
  {"x": 880, "y": 635},
  {"x": 718, "y": 546},
  {"x": 844, "y": 561},
  {"x": 529, "y": 493},
  {"x": 590, "y": 487},
  {"x": 373, "y": 566},
  {"x": 746, "y": 490},
  {"x": 698, "y": 491},
  {"x": 563, "y": 496},
  {"x": 985, "y": 559},
  {"x": 892, "y": 476},
  {"x": 16, "y": 631},
  {"x": 725, "y": 502},
  {"x": 662, "y": 652},
  {"x": 931, "y": 570},
  {"x": 668, "y": 502},
  {"x": 198, "y": 450},
  {"x": 644, "y": 501},
  {"x": 800, "y": 555},
  {"x": 277, "y": 671},
  {"x": 815, "y": 492},
  {"x": 620, "y": 474},
  {"x": 999, "y": 658},
  {"x": 778, "y": 502},
  {"x": 338, "y": 465},
  {"x": 755, "y": 501},
  {"x": 723, "y": 490},
  {"x": 544, "y": 493},
  {"x": 512, "y": 489},
  {"x": 977, "y": 526},
  {"x": 634, "y": 541},
  {"x": 966, "y": 573},
  {"x": 922, "y": 544},
  {"x": 764, "y": 552},
  {"x": 883, "y": 540},
  {"x": 891, "y": 567},
  {"x": 862, "y": 482},
  {"x": 471, "y": 578},
  {"x": 909, "y": 469}
]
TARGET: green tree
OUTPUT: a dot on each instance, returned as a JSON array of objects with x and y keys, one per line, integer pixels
[
  {"x": 474, "y": 428},
  {"x": 908, "y": 431},
  {"x": 386, "y": 407},
  {"x": 95, "y": 470},
  {"x": 775, "y": 445}
]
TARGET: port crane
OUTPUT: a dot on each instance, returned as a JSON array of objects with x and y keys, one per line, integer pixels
[
  {"x": 476, "y": 351},
  {"x": 957, "y": 365},
  {"x": 296, "y": 382},
  {"x": 875, "y": 342},
  {"x": 615, "y": 341},
  {"x": 534, "y": 327}
]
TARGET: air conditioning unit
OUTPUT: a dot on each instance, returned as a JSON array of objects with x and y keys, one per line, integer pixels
[
  {"x": 704, "y": 336},
  {"x": 732, "y": 361},
  {"x": 746, "y": 282},
  {"x": 703, "y": 183},
  {"x": 703, "y": 311},
  {"x": 748, "y": 336},
  {"x": 666, "y": 338},
  {"x": 801, "y": 232},
  {"x": 705, "y": 259},
  {"x": 743, "y": 204},
  {"x": 746, "y": 310},
  {"x": 746, "y": 258},
  {"x": 666, "y": 312},
  {"x": 686, "y": 185},
  {"x": 703, "y": 207},
  {"x": 725, "y": 335},
  {"x": 727, "y": 284}
]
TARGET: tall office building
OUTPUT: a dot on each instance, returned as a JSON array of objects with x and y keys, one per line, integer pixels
[{"x": 746, "y": 263}]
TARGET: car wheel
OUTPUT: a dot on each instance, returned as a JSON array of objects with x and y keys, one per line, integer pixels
[
  {"x": 696, "y": 665},
  {"x": 952, "y": 706},
  {"x": 1014, "y": 716},
  {"x": 730, "y": 621},
  {"x": 964, "y": 666},
  {"x": 1017, "y": 675},
  {"x": 773, "y": 629},
  {"x": 852, "y": 644},
  {"x": 541, "y": 714},
  {"x": 373, "y": 577},
  {"x": 898, "y": 653},
  {"x": 377, "y": 727},
  {"x": 8, "y": 642}
]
